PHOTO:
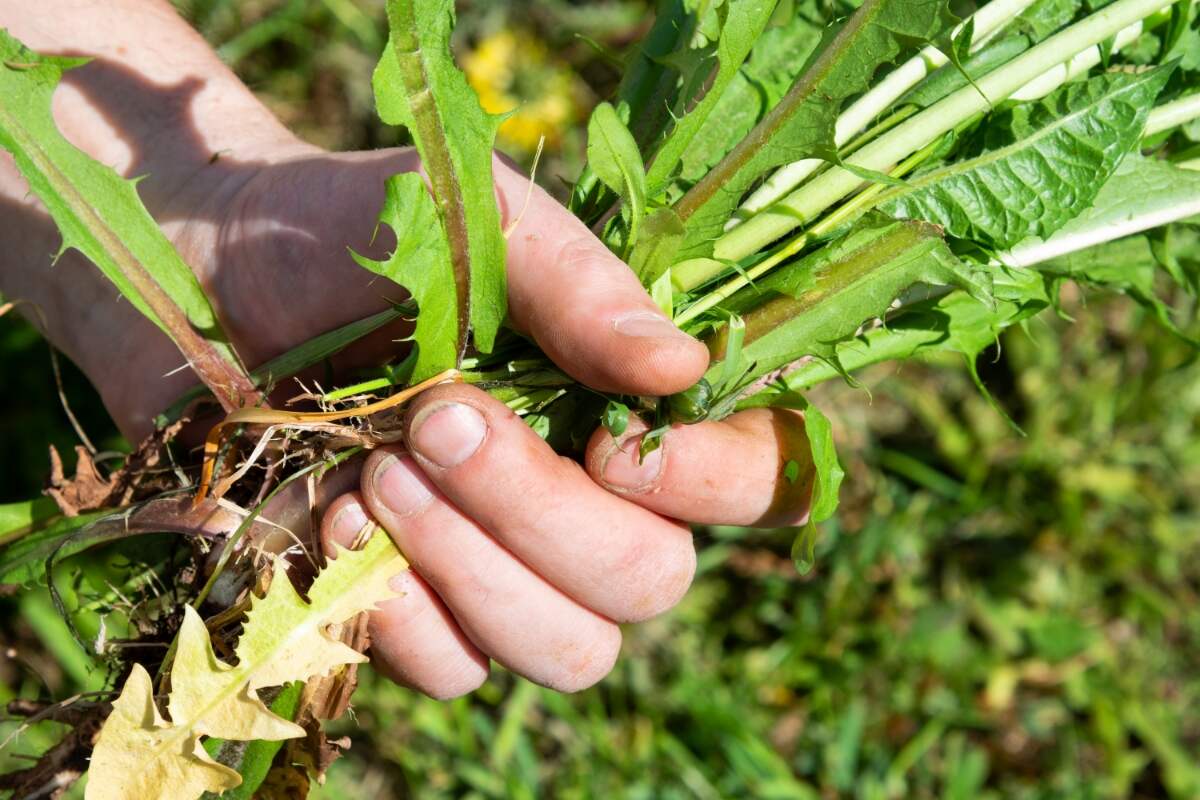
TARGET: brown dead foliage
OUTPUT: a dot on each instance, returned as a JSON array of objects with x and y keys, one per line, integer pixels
[{"x": 90, "y": 489}]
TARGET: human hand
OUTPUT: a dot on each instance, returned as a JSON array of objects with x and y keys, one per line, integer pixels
[{"x": 518, "y": 554}]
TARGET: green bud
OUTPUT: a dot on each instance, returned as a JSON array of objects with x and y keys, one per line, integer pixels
[{"x": 692, "y": 405}]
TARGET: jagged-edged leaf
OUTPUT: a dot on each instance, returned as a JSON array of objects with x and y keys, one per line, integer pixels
[
  {"x": 818, "y": 302},
  {"x": 420, "y": 263},
  {"x": 138, "y": 755},
  {"x": 99, "y": 213},
  {"x": 418, "y": 85},
  {"x": 745, "y": 22},
  {"x": 779, "y": 55},
  {"x": 1045, "y": 162},
  {"x": 802, "y": 124},
  {"x": 1143, "y": 193},
  {"x": 955, "y": 322}
]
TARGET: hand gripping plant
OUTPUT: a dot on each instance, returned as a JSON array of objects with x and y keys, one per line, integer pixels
[{"x": 806, "y": 201}]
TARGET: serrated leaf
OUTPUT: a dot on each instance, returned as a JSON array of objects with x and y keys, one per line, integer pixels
[
  {"x": 802, "y": 124},
  {"x": 100, "y": 214},
  {"x": 420, "y": 263},
  {"x": 955, "y": 323},
  {"x": 779, "y": 55},
  {"x": 1044, "y": 164},
  {"x": 1142, "y": 194},
  {"x": 816, "y": 303},
  {"x": 418, "y": 85},
  {"x": 139, "y": 756}
]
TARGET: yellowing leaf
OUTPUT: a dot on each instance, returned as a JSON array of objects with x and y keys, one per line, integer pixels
[
  {"x": 137, "y": 752},
  {"x": 139, "y": 756}
]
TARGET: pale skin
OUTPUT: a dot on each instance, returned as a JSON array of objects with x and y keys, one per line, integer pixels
[{"x": 519, "y": 555}]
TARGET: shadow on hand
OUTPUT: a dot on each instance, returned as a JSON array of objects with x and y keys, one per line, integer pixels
[{"x": 267, "y": 234}]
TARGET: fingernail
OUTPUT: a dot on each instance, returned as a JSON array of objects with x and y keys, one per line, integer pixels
[
  {"x": 448, "y": 435},
  {"x": 348, "y": 523},
  {"x": 625, "y": 469},
  {"x": 646, "y": 325},
  {"x": 399, "y": 486}
]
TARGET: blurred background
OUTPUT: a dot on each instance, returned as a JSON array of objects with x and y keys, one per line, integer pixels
[{"x": 991, "y": 614}]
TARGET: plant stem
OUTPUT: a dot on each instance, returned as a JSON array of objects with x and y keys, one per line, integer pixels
[
  {"x": 826, "y": 189},
  {"x": 989, "y": 21},
  {"x": 794, "y": 246},
  {"x": 429, "y": 134},
  {"x": 1173, "y": 114}
]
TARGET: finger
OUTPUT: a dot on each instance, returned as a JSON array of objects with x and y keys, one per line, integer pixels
[
  {"x": 610, "y": 555},
  {"x": 414, "y": 639},
  {"x": 505, "y": 608},
  {"x": 733, "y": 472},
  {"x": 583, "y": 306}
]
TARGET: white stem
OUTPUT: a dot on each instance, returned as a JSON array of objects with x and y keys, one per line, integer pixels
[
  {"x": 1173, "y": 114},
  {"x": 989, "y": 21},
  {"x": 804, "y": 205},
  {"x": 1039, "y": 252},
  {"x": 1079, "y": 65}
]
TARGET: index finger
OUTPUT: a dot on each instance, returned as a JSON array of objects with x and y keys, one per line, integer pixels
[{"x": 583, "y": 305}]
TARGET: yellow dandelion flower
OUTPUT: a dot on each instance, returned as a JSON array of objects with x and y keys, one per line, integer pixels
[{"x": 513, "y": 72}]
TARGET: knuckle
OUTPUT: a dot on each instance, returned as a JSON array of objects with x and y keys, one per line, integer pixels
[
  {"x": 660, "y": 577},
  {"x": 585, "y": 662}
]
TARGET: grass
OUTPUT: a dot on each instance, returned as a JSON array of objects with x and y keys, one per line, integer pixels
[{"x": 991, "y": 615}]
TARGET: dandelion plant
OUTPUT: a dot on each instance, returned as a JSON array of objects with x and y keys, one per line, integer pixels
[{"x": 806, "y": 198}]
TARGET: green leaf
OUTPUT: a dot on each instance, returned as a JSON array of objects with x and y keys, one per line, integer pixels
[
  {"x": 23, "y": 558},
  {"x": 658, "y": 241},
  {"x": 17, "y": 519},
  {"x": 616, "y": 418},
  {"x": 613, "y": 155},
  {"x": 1046, "y": 17},
  {"x": 421, "y": 263},
  {"x": 827, "y": 475},
  {"x": 779, "y": 55},
  {"x": 1143, "y": 193},
  {"x": 816, "y": 303},
  {"x": 1045, "y": 162},
  {"x": 253, "y": 759},
  {"x": 956, "y": 323},
  {"x": 744, "y": 24},
  {"x": 418, "y": 85},
  {"x": 101, "y": 215},
  {"x": 802, "y": 124}
]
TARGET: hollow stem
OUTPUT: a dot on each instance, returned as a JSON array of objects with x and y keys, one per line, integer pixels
[
  {"x": 1173, "y": 114},
  {"x": 989, "y": 21},
  {"x": 807, "y": 203}
]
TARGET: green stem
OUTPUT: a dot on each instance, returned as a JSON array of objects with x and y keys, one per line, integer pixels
[{"x": 806, "y": 204}]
